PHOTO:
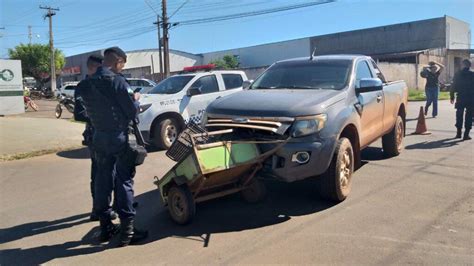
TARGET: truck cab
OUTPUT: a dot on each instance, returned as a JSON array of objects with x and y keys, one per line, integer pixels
[
  {"x": 179, "y": 99},
  {"x": 327, "y": 108}
]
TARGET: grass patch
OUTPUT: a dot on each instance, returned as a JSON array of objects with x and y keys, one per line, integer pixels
[
  {"x": 26, "y": 155},
  {"x": 419, "y": 95},
  {"x": 75, "y": 121}
]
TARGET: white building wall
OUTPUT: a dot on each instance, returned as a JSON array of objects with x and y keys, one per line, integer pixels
[
  {"x": 458, "y": 34},
  {"x": 143, "y": 58},
  {"x": 264, "y": 55}
]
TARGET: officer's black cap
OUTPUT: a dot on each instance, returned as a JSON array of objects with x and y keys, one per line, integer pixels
[
  {"x": 116, "y": 51},
  {"x": 97, "y": 58}
]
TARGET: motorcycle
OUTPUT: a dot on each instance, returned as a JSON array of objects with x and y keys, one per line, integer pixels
[
  {"x": 67, "y": 102},
  {"x": 41, "y": 93}
]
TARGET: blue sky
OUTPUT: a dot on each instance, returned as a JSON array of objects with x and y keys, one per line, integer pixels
[{"x": 86, "y": 25}]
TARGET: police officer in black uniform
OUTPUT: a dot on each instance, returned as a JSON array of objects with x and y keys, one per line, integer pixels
[
  {"x": 463, "y": 86},
  {"x": 93, "y": 62},
  {"x": 111, "y": 108}
]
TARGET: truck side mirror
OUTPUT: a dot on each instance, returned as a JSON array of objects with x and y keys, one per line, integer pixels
[
  {"x": 246, "y": 84},
  {"x": 369, "y": 84},
  {"x": 193, "y": 91}
]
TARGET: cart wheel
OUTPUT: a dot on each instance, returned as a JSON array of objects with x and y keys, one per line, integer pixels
[
  {"x": 255, "y": 192},
  {"x": 181, "y": 204}
]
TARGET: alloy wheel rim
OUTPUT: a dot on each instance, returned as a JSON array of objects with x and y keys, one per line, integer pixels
[
  {"x": 345, "y": 170},
  {"x": 171, "y": 133},
  {"x": 399, "y": 135}
]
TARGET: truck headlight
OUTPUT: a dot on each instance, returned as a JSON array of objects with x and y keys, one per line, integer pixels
[
  {"x": 144, "y": 107},
  {"x": 308, "y": 126}
]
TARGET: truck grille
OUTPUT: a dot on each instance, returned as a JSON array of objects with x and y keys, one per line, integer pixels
[{"x": 275, "y": 125}]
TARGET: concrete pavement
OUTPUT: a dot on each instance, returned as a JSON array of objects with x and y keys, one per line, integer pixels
[
  {"x": 416, "y": 208},
  {"x": 37, "y": 131}
]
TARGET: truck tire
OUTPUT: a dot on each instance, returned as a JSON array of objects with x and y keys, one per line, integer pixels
[
  {"x": 166, "y": 132},
  {"x": 255, "y": 191},
  {"x": 335, "y": 183},
  {"x": 181, "y": 204},
  {"x": 392, "y": 142}
]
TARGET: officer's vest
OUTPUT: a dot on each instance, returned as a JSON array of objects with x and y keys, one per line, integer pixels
[{"x": 102, "y": 108}]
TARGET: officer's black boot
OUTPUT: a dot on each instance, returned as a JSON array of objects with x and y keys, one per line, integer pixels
[
  {"x": 107, "y": 230},
  {"x": 458, "y": 134},
  {"x": 466, "y": 135},
  {"x": 95, "y": 217},
  {"x": 129, "y": 234}
]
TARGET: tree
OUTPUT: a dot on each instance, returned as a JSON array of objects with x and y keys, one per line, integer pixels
[
  {"x": 226, "y": 62},
  {"x": 35, "y": 60}
]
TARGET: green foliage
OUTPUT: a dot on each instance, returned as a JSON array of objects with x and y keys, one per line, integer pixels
[
  {"x": 35, "y": 59},
  {"x": 419, "y": 95},
  {"x": 226, "y": 62}
]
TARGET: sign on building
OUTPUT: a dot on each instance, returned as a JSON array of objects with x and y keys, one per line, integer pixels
[{"x": 11, "y": 87}]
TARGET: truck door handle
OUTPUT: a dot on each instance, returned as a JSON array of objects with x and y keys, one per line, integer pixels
[{"x": 379, "y": 98}]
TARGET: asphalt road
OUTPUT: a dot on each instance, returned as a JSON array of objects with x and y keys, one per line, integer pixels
[{"x": 416, "y": 208}]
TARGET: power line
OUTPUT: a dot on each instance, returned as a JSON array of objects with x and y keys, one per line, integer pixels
[
  {"x": 179, "y": 8},
  {"x": 253, "y": 13}
]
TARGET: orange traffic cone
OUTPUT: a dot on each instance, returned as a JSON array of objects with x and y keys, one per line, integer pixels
[{"x": 421, "y": 124}]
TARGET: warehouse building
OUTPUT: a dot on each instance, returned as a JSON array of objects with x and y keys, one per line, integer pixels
[{"x": 401, "y": 50}]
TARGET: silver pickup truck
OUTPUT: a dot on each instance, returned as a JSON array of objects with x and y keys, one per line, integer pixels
[{"x": 329, "y": 108}]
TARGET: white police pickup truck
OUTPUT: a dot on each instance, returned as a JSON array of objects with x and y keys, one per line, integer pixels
[{"x": 177, "y": 100}]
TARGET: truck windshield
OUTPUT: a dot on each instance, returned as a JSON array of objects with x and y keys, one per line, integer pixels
[
  {"x": 320, "y": 74},
  {"x": 171, "y": 85}
]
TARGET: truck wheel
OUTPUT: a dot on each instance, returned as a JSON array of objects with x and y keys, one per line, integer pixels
[
  {"x": 58, "y": 111},
  {"x": 335, "y": 183},
  {"x": 255, "y": 191},
  {"x": 392, "y": 142},
  {"x": 166, "y": 132},
  {"x": 181, "y": 204}
]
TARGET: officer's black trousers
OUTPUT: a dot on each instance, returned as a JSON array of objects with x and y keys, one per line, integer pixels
[
  {"x": 115, "y": 174},
  {"x": 93, "y": 170},
  {"x": 467, "y": 117}
]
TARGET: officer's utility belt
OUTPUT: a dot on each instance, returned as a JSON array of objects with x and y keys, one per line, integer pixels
[{"x": 136, "y": 151}]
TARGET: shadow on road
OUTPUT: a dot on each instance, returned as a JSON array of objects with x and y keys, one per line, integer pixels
[
  {"x": 42, "y": 254},
  {"x": 229, "y": 214},
  {"x": 82, "y": 153},
  {"x": 372, "y": 154},
  {"x": 442, "y": 143}
]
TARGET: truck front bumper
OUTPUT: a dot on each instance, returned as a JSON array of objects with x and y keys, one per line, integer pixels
[{"x": 282, "y": 164}]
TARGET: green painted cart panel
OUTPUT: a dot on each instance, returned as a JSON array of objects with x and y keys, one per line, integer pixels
[
  {"x": 209, "y": 160},
  {"x": 186, "y": 168},
  {"x": 225, "y": 156}
]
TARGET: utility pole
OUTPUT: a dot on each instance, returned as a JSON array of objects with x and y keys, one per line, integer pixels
[
  {"x": 165, "y": 40},
  {"x": 159, "y": 45},
  {"x": 29, "y": 33},
  {"x": 50, "y": 15}
]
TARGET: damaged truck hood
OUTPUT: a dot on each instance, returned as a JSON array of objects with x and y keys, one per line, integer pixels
[{"x": 275, "y": 102}]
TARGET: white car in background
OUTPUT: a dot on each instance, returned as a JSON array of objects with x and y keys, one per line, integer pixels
[
  {"x": 141, "y": 85},
  {"x": 67, "y": 89},
  {"x": 177, "y": 100}
]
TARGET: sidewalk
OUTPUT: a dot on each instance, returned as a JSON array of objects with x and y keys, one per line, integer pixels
[{"x": 32, "y": 135}]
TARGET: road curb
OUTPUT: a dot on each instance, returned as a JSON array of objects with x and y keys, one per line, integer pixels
[{"x": 31, "y": 154}]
